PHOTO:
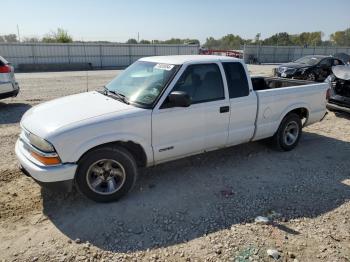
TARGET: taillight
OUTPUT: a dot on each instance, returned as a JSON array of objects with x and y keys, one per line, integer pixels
[
  {"x": 328, "y": 93},
  {"x": 5, "y": 69}
]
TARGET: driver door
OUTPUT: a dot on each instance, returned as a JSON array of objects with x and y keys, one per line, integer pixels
[{"x": 183, "y": 131}]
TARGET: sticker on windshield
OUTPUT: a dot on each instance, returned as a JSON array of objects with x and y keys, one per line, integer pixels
[{"x": 166, "y": 67}]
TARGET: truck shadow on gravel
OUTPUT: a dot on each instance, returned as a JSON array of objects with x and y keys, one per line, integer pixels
[
  {"x": 11, "y": 113},
  {"x": 183, "y": 200}
]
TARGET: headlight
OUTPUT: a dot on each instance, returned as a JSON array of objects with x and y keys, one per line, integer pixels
[
  {"x": 40, "y": 149},
  {"x": 291, "y": 70},
  {"x": 302, "y": 70},
  {"x": 39, "y": 143}
]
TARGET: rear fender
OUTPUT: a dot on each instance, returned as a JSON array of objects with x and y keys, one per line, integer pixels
[{"x": 291, "y": 108}]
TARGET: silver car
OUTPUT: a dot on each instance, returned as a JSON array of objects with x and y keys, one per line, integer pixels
[{"x": 8, "y": 85}]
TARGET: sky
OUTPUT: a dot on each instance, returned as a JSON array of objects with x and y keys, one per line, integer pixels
[{"x": 119, "y": 20}]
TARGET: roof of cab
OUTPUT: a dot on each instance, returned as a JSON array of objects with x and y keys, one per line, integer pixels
[{"x": 181, "y": 59}]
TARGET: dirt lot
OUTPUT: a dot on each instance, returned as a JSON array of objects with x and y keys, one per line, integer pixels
[{"x": 200, "y": 208}]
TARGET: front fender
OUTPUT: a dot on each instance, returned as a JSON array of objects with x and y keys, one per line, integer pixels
[
  {"x": 87, "y": 145},
  {"x": 73, "y": 142}
]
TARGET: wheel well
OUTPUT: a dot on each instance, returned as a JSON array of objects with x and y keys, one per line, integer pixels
[
  {"x": 134, "y": 149},
  {"x": 302, "y": 112}
]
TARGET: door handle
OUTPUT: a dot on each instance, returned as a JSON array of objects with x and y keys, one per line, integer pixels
[{"x": 224, "y": 109}]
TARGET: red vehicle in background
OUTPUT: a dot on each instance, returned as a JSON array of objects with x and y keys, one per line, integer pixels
[{"x": 231, "y": 53}]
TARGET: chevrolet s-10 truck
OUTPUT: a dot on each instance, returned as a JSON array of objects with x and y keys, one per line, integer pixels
[{"x": 160, "y": 109}]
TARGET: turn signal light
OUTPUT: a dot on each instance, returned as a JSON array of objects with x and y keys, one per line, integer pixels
[{"x": 46, "y": 160}]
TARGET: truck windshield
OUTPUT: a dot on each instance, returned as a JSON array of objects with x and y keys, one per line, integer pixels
[
  {"x": 142, "y": 82},
  {"x": 309, "y": 60}
]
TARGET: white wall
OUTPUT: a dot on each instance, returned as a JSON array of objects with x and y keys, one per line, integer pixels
[{"x": 99, "y": 55}]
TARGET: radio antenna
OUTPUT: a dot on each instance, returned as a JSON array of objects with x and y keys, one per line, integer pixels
[{"x": 87, "y": 70}]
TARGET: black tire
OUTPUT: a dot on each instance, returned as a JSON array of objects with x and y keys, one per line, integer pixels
[
  {"x": 311, "y": 77},
  {"x": 119, "y": 155},
  {"x": 281, "y": 138}
]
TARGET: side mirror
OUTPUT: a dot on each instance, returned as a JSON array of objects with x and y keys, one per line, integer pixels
[{"x": 179, "y": 99}]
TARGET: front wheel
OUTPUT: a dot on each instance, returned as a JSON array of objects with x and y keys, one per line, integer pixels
[
  {"x": 106, "y": 174},
  {"x": 289, "y": 132},
  {"x": 311, "y": 77}
]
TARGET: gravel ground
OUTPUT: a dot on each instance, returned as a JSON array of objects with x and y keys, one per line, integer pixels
[{"x": 200, "y": 208}]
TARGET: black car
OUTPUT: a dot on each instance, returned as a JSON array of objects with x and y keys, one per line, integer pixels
[
  {"x": 339, "y": 99},
  {"x": 343, "y": 57},
  {"x": 311, "y": 67}
]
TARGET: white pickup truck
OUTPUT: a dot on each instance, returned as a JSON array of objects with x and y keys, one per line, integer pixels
[{"x": 160, "y": 109}]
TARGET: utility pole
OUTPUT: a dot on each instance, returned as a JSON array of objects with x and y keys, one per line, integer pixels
[
  {"x": 18, "y": 35},
  {"x": 138, "y": 37}
]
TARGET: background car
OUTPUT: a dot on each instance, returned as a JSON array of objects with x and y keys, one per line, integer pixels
[
  {"x": 312, "y": 68},
  {"x": 339, "y": 99},
  {"x": 8, "y": 85},
  {"x": 343, "y": 56}
]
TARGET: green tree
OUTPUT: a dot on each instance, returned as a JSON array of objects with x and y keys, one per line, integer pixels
[
  {"x": 131, "y": 41},
  {"x": 175, "y": 41},
  {"x": 226, "y": 42},
  {"x": 179, "y": 41},
  {"x": 11, "y": 38},
  {"x": 308, "y": 39},
  {"x": 303, "y": 39},
  {"x": 60, "y": 36},
  {"x": 31, "y": 39},
  {"x": 188, "y": 41},
  {"x": 282, "y": 38},
  {"x": 257, "y": 38},
  {"x": 341, "y": 38},
  {"x": 145, "y": 42}
]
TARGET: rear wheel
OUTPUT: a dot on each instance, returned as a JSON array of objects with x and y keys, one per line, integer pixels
[
  {"x": 106, "y": 174},
  {"x": 289, "y": 132}
]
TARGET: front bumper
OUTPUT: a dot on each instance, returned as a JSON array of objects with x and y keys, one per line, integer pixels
[
  {"x": 12, "y": 93},
  {"x": 45, "y": 175}
]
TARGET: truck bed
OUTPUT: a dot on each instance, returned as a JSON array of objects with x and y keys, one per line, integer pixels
[
  {"x": 264, "y": 83},
  {"x": 278, "y": 96}
]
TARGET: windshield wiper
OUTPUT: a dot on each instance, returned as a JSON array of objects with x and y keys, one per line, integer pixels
[{"x": 119, "y": 96}]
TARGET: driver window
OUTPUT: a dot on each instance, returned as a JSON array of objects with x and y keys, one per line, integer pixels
[{"x": 203, "y": 83}]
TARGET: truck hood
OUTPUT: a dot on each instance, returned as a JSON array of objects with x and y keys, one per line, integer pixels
[{"x": 51, "y": 116}]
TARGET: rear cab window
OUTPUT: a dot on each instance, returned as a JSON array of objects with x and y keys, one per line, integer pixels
[{"x": 237, "y": 81}]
